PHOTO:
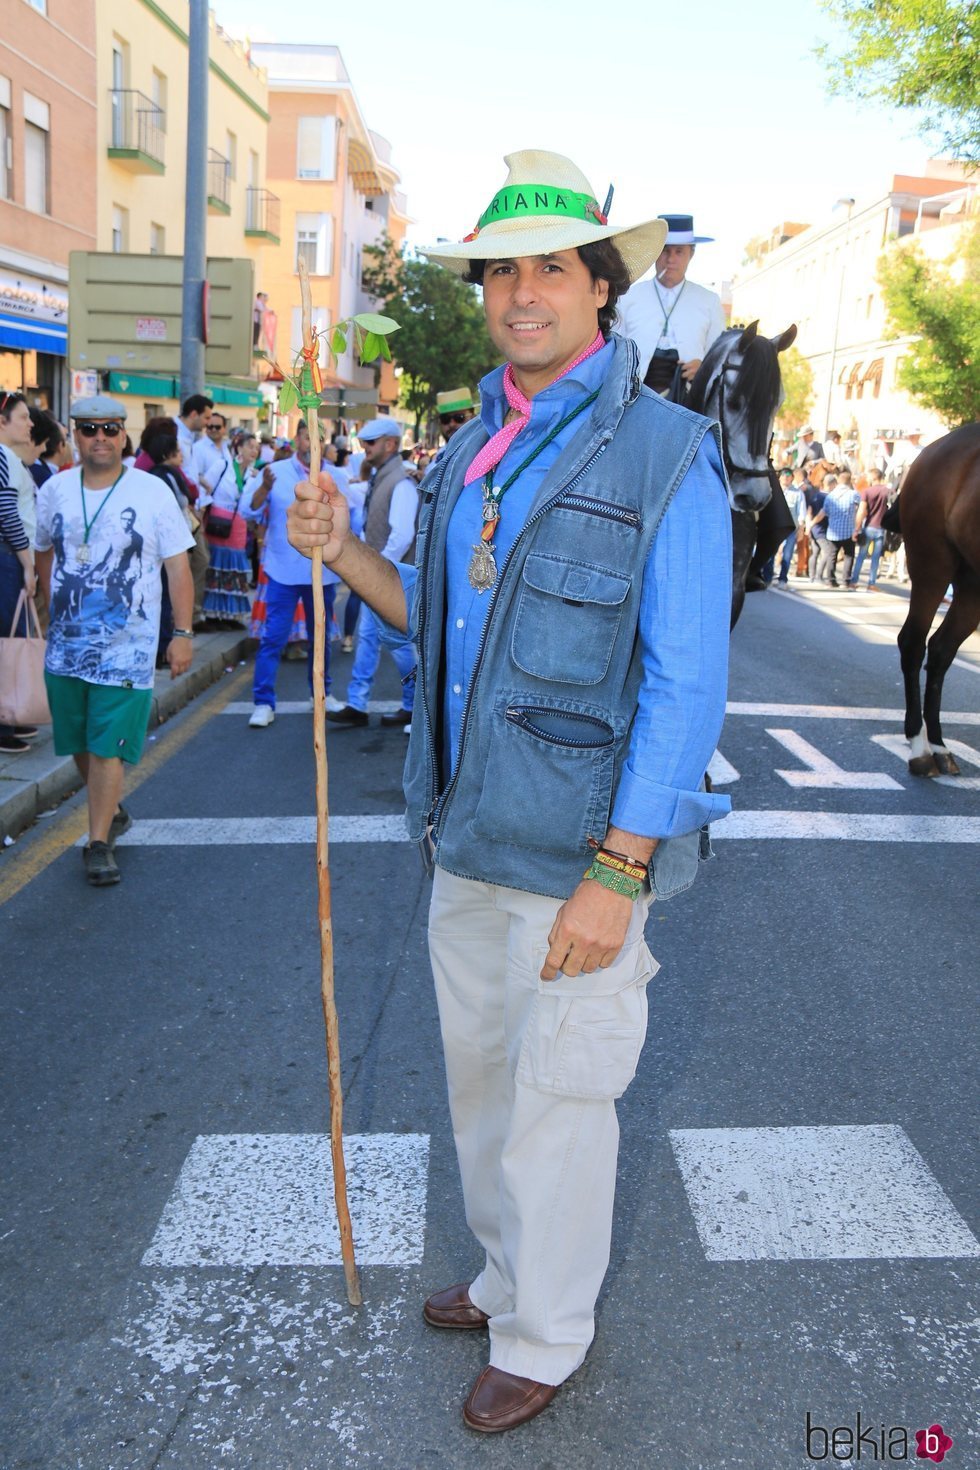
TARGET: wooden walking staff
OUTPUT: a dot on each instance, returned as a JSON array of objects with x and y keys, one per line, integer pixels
[{"x": 309, "y": 402}]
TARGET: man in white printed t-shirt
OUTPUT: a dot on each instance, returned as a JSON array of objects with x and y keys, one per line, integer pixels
[
  {"x": 103, "y": 534},
  {"x": 672, "y": 320}
]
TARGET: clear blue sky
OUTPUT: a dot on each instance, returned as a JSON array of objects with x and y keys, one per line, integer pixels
[{"x": 698, "y": 106}]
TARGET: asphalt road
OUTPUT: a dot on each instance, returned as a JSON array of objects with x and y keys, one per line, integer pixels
[{"x": 799, "y": 1159}]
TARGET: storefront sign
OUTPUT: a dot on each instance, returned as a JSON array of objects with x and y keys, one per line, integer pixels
[{"x": 151, "y": 329}]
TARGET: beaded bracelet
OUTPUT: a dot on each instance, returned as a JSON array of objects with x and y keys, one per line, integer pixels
[{"x": 616, "y": 882}]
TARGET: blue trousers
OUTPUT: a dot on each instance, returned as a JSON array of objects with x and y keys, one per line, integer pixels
[
  {"x": 280, "y": 604},
  {"x": 367, "y": 657},
  {"x": 875, "y": 538}
]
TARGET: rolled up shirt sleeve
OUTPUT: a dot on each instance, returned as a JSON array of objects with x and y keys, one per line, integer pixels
[
  {"x": 685, "y": 609},
  {"x": 391, "y": 636}
]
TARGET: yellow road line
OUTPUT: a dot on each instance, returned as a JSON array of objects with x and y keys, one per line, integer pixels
[{"x": 64, "y": 831}]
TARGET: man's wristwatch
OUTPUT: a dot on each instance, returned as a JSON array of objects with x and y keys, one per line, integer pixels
[{"x": 182, "y": 633}]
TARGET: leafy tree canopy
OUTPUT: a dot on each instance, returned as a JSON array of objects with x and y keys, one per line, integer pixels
[
  {"x": 917, "y": 54},
  {"x": 443, "y": 342},
  {"x": 941, "y": 306},
  {"x": 797, "y": 376}
]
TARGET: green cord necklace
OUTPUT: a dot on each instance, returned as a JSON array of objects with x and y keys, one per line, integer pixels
[
  {"x": 482, "y": 571},
  {"x": 83, "y": 554}
]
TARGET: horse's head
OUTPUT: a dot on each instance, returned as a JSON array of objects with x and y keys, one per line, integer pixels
[{"x": 738, "y": 384}]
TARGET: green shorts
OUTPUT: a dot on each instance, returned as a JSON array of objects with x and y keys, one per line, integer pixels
[{"x": 98, "y": 719}]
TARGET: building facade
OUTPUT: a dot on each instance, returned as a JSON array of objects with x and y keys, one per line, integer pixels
[
  {"x": 824, "y": 278},
  {"x": 142, "y": 88},
  {"x": 339, "y": 193},
  {"x": 48, "y": 129}
]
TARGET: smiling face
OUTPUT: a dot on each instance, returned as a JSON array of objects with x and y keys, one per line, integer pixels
[{"x": 542, "y": 313}]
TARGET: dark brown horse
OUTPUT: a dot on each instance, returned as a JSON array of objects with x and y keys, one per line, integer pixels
[{"x": 939, "y": 513}]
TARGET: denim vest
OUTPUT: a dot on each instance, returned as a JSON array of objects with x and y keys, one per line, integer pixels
[{"x": 556, "y": 682}]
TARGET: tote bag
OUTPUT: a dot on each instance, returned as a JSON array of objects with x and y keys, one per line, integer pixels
[{"x": 23, "y": 697}]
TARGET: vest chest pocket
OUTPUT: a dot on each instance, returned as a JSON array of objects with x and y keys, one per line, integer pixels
[{"x": 568, "y": 616}]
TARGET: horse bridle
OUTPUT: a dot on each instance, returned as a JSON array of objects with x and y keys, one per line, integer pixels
[{"x": 731, "y": 468}]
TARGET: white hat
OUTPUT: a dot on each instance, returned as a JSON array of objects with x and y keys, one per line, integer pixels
[
  {"x": 547, "y": 205},
  {"x": 381, "y": 428}
]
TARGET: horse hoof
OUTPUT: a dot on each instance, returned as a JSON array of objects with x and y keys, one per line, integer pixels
[
  {"x": 923, "y": 765},
  {"x": 945, "y": 763}
]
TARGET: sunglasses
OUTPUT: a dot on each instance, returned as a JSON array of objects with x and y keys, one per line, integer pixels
[
  {"x": 453, "y": 418},
  {"x": 111, "y": 430},
  {"x": 216, "y": 428}
]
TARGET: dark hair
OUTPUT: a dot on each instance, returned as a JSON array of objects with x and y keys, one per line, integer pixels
[
  {"x": 161, "y": 424},
  {"x": 197, "y": 403},
  {"x": 128, "y": 450},
  {"x": 8, "y": 402},
  {"x": 604, "y": 263},
  {"x": 161, "y": 446},
  {"x": 46, "y": 431},
  {"x": 222, "y": 416},
  {"x": 342, "y": 457}
]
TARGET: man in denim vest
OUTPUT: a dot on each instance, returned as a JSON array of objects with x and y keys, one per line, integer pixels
[{"x": 570, "y": 604}]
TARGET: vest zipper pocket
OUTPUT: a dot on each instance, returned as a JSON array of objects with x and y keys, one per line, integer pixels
[
  {"x": 521, "y": 715},
  {"x": 600, "y": 508}
]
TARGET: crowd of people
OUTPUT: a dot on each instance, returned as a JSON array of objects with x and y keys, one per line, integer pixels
[{"x": 838, "y": 503}]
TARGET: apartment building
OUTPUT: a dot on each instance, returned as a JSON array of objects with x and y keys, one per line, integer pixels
[
  {"x": 339, "y": 193},
  {"x": 824, "y": 277},
  {"x": 48, "y": 127},
  {"x": 142, "y": 87}
]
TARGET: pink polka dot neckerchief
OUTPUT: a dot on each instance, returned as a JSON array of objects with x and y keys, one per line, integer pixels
[{"x": 494, "y": 450}]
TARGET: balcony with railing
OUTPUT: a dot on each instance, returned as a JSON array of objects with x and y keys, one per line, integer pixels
[
  {"x": 137, "y": 129},
  {"x": 219, "y": 183},
  {"x": 262, "y": 210}
]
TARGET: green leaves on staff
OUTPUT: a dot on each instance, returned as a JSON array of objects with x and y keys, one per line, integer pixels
[{"x": 288, "y": 396}]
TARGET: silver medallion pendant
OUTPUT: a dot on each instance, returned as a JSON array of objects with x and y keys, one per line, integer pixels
[
  {"x": 84, "y": 554},
  {"x": 483, "y": 569}
]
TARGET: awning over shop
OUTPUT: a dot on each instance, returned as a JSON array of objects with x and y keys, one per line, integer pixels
[
  {"x": 238, "y": 393},
  {"x": 26, "y": 335}
]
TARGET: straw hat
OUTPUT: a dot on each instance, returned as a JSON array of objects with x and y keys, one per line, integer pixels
[{"x": 545, "y": 206}]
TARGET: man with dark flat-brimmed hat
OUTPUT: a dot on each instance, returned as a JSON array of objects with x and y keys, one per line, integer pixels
[
  {"x": 672, "y": 320},
  {"x": 103, "y": 534},
  {"x": 570, "y": 606}
]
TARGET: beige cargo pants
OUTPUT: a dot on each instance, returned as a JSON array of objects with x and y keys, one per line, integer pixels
[{"x": 533, "y": 1068}]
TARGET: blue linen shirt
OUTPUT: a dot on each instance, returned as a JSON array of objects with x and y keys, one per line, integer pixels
[
  {"x": 841, "y": 506},
  {"x": 684, "y": 612},
  {"x": 282, "y": 562}
]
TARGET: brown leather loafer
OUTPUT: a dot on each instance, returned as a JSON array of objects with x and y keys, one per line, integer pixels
[
  {"x": 500, "y": 1401},
  {"x": 453, "y": 1308}
]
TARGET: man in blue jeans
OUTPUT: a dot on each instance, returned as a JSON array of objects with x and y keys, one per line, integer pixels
[
  {"x": 289, "y": 579},
  {"x": 390, "y": 515}
]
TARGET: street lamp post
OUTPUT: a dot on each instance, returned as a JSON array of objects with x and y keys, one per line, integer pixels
[{"x": 849, "y": 203}]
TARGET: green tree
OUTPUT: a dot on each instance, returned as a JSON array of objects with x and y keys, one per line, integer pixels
[
  {"x": 940, "y": 305},
  {"x": 922, "y": 55},
  {"x": 797, "y": 376},
  {"x": 443, "y": 342}
]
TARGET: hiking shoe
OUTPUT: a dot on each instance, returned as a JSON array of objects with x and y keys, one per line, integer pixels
[
  {"x": 100, "y": 865},
  {"x": 347, "y": 715},
  {"x": 120, "y": 823},
  {"x": 13, "y": 745},
  {"x": 262, "y": 715}
]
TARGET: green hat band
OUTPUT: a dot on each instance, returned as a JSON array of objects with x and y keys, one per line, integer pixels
[
  {"x": 529, "y": 200},
  {"x": 454, "y": 405}
]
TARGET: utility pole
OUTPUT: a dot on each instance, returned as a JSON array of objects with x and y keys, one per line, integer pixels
[
  {"x": 849, "y": 205},
  {"x": 195, "y": 207}
]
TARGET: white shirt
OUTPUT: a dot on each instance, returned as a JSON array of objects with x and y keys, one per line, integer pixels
[
  {"x": 106, "y": 592},
  {"x": 402, "y": 515},
  {"x": 216, "y": 466},
  {"x": 188, "y": 440},
  {"x": 694, "y": 319}
]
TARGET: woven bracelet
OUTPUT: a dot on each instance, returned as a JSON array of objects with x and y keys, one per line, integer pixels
[{"x": 630, "y": 888}]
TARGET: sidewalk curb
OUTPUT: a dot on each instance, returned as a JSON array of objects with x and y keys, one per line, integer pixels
[{"x": 22, "y": 799}]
